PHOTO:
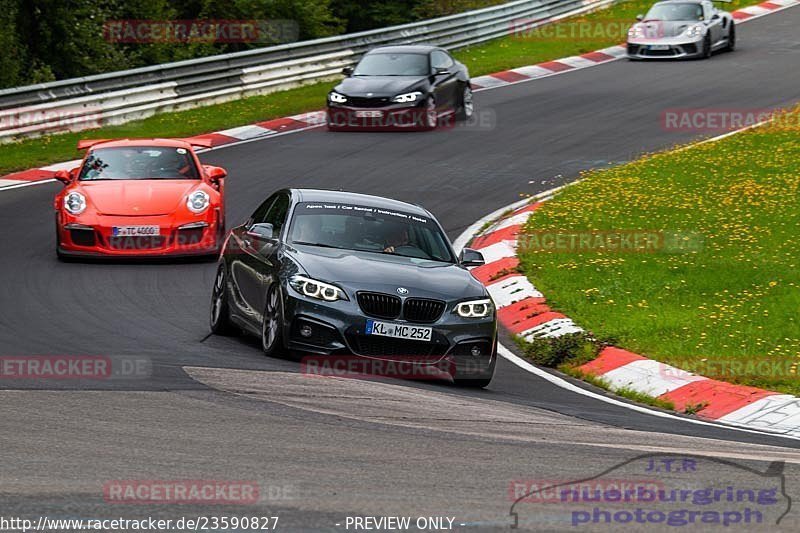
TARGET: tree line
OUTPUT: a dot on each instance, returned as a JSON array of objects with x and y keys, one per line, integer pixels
[{"x": 46, "y": 40}]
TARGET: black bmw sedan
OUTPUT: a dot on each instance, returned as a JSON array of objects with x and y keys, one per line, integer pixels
[
  {"x": 405, "y": 87},
  {"x": 342, "y": 274}
]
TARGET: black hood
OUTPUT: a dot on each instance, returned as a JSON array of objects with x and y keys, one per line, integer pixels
[
  {"x": 355, "y": 271},
  {"x": 381, "y": 86}
]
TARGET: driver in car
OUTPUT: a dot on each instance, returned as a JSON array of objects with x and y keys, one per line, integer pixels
[{"x": 396, "y": 238}]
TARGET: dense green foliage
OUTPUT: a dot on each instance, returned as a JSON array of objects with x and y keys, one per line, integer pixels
[{"x": 45, "y": 40}]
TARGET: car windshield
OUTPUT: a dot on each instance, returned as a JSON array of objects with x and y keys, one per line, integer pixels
[
  {"x": 369, "y": 229},
  {"x": 675, "y": 12},
  {"x": 139, "y": 163},
  {"x": 393, "y": 65}
]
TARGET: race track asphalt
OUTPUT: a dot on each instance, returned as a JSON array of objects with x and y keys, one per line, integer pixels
[{"x": 215, "y": 408}]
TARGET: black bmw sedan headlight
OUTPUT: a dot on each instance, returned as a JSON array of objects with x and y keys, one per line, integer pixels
[
  {"x": 475, "y": 308},
  {"x": 407, "y": 98},
  {"x": 317, "y": 289},
  {"x": 337, "y": 98}
]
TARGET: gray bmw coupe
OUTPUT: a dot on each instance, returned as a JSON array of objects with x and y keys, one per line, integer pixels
[{"x": 343, "y": 274}]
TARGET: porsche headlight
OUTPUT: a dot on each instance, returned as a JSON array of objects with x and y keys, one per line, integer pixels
[
  {"x": 316, "y": 289},
  {"x": 337, "y": 98},
  {"x": 696, "y": 30},
  {"x": 198, "y": 201},
  {"x": 475, "y": 308},
  {"x": 407, "y": 98},
  {"x": 636, "y": 32},
  {"x": 75, "y": 203}
]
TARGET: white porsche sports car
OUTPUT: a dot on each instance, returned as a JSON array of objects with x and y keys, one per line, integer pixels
[{"x": 681, "y": 28}]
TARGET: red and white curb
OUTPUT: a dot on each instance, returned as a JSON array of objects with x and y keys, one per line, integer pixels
[
  {"x": 549, "y": 68},
  {"x": 315, "y": 119},
  {"x": 523, "y": 311}
]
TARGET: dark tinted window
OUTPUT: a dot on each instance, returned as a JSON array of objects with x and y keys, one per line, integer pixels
[
  {"x": 277, "y": 213},
  {"x": 440, "y": 59},
  {"x": 139, "y": 162},
  {"x": 393, "y": 65},
  {"x": 260, "y": 214}
]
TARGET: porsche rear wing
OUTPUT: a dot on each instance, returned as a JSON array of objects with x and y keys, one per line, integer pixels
[{"x": 85, "y": 144}]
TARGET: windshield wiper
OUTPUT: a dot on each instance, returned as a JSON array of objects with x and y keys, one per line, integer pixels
[
  {"x": 319, "y": 244},
  {"x": 428, "y": 258}
]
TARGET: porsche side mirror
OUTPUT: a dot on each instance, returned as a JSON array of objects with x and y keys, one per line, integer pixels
[
  {"x": 471, "y": 258},
  {"x": 715, "y": 16},
  {"x": 640, "y": 17},
  {"x": 63, "y": 176},
  {"x": 215, "y": 173},
  {"x": 262, "y": 231},
  {"x": 347, "y": 71}
]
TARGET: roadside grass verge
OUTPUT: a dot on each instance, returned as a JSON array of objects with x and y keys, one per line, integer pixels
[
  {"x": 53, "y": 148},
  {"x": 726, "y": 305},
  {"x": 501, "y": 54}
]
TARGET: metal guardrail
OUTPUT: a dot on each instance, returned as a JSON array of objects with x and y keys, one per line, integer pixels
[{"x": 117, "y": 97}]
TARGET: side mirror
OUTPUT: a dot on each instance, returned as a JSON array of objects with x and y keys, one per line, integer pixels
[
  {"x": 261, "y": 231},
  {"x": 63, "y": 176},
  {"x": 215, "y": 173},
  {"x": 347, "y": 71},
  {"x": 471, "y": 258},
  {"x": 640, "y": 17},
  {"x": 715, "y": 16}
]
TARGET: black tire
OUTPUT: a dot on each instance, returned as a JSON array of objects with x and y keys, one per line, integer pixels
[
  {"x": 707, "y": 46},
  {"x": 272, "y": 324},
  {"x": 473, "y": 383},
  {"x": 430, "y": 118},
  {"x": 466, "y": 106},
  {"x": 220, "y": 316},
  {"x": 731, "y": 46}
]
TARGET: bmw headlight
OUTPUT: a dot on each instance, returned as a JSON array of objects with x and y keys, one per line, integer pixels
[
  {"x": 337, "y": 98},
  {"x": 198, "y": 201},
  {"x": 696, "y": 30},
  {"x": 75, "y": 203},
  {"x": 316, "y": 289},
  {"x": 475, "y": 308},
  {"x": 407, "y": 98}
]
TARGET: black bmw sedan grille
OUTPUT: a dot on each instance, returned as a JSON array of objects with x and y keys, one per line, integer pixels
[
  {"x": 423, "y": 310},
  {"x": 358, "y": 101},
  {"x": 379, "y": 305}
]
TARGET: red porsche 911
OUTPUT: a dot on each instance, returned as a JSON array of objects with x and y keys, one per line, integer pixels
[{"x": 145, "y": 197}]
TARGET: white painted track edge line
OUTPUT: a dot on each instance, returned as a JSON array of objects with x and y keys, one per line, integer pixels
[{"x": 25, "y": 184}]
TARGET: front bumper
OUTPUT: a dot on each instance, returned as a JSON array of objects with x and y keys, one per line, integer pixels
[
  {"x": 675, "y": 48},
  {"x": 94, "y": 236},
  {"x": 388, "y": 117},
  {"x": 459, "y": 348}
]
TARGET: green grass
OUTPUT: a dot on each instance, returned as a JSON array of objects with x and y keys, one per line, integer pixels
[
  {"x": 497, "y": 55},
  {"x": 726, "y": 307},
  {"x": 53, "y": 148}
]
